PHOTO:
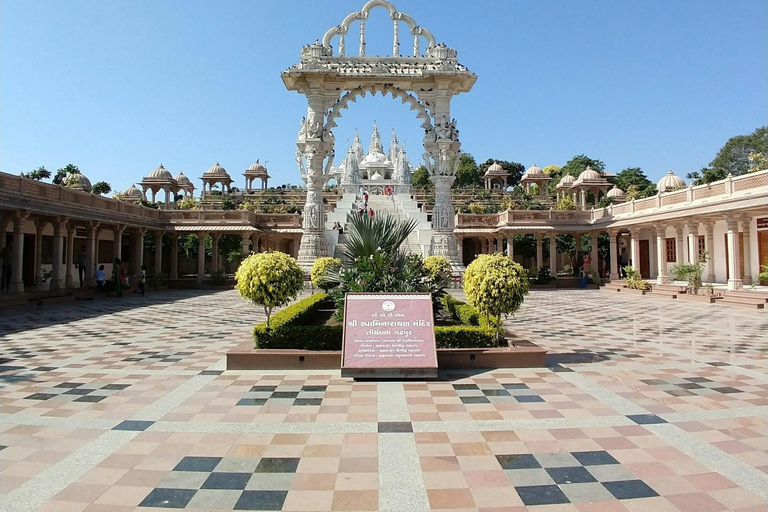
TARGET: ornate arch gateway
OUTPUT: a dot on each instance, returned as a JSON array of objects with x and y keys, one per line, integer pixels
[{"x": 330, "y": 81}]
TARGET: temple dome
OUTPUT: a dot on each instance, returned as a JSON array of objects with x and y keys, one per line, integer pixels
[
  {"x": 182, "y": 180},
  {"x": 670, "y": 182},
  {"x": 78, "y": 182},
  {"x": 216, "y": 171},
  {"x": 534, "y": 170},
  {"x": 616, "y": 193},
  {"x": 256, "y": 169},
  {"x": 376, "y": 176},
  {"x": 589, "y": 174},
  {"x": 376, "y": 159},
  {"x": 133, "y": 193},
  {"x": 566, "y": 181},
  {"x": 161, "y": 173}
]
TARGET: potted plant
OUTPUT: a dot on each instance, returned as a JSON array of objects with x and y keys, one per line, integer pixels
[{"x": 45, "y": 279}]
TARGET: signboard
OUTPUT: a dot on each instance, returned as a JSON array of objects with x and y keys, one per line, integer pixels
[
  {"x": 389, "y": 335},
  {"x": 762, "y": 223}
]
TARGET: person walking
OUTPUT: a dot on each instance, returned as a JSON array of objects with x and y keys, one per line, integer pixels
[
  {"x": 142, "y": 280},
  {"x": 117, "y": 277},
  {"x": 100, "y": 276},
  {"x": 623, "y": 261},
  {"x": 370, "y": 213},
  {"x": 82, "y": 262}
]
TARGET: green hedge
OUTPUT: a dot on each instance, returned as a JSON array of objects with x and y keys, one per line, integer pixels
[{"x": 288, "y": 329}]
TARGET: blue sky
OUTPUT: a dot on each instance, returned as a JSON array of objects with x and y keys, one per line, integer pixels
[{"x": 118, "y": 87}]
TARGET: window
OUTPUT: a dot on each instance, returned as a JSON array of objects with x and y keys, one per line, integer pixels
[
  {"x": 702, "y": 247},
  {"x": 671, "y": 250}
]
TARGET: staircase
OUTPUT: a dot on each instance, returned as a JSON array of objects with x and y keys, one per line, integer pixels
[{"x": 399, "y": 206}]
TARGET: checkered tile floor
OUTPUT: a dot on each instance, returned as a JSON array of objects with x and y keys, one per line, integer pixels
[{"x": 125, "y": 405}]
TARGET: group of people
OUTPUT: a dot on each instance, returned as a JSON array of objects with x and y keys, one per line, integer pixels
[
  {"x": 338, "y": 226},
  {"x": 362, "y": 208}
]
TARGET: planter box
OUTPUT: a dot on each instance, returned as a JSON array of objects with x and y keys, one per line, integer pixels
[
  {"x": 524, "y": 355},
  {"x": 706, "y": 299}
]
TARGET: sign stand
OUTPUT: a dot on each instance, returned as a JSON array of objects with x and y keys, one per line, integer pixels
[{"x": 389, "y": 336}]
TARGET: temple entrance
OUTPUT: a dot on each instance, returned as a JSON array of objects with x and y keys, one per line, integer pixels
[{"x": 645, "y": 259}]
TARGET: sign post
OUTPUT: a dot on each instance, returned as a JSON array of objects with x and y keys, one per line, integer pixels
[{"x": 389, "y": 335}]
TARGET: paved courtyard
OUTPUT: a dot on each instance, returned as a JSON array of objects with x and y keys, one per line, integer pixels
[{"x": 121, "y": 405}]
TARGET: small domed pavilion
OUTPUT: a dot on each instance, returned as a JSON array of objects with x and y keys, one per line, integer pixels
[
  {"x": 495, "y": 177},
  {"x": 254, "y": 172},
  {"x": 160, "y": 179},
  {"x": 563, "y": 188},
  {"x": 216, "y": 174},
  {"x": 588, "y": 181},
  {"x": 132, "y": 194},
  {"x": 616, "y": 195},
  {"x": 184, "y": 184},
  {"x": 77, "y": 182},
  {"x": 535, "y": 176},
  {"x": 670, "y": 182}
]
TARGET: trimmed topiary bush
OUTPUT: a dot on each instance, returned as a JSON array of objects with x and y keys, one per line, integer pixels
[
  {"x": 494, "y": 284},
  {"x": 288, "y": 329},
  {"x": 270, "y": 280},
  {"x": 322, "y": 269},
  {"x": 465, "y": 336},
  {"x": 439, "y": 271}
]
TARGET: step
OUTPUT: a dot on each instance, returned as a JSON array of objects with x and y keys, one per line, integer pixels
[
  {"x": 745, "y": 302},
  {"x": 664, "y": 293},
  {"x": 675, "y": 288},
  {"x": 747, "y": 295},
  {"x": 706, "y": 299}
]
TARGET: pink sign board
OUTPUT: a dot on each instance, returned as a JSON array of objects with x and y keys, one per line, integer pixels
[{"x": 389, "y": 334}]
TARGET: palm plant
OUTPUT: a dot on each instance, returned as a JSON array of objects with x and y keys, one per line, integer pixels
[{"x": 382, "y": 233}]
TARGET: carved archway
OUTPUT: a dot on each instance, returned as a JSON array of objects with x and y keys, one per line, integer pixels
[{"x": 351, "y": 96}]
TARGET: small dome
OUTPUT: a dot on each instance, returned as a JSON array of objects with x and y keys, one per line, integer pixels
[
  {"x": 566, "y": 181},
  {"x": 377, "y": 177},
  {"x": 216, "y": 171},
  {"x": 78, "y": 182},
  {"x": 161, "y": 173},
  {"x": 182, "y": 180},
  {"x": 670, "y": 182},
  {"x": 589, "y": 174},
  {"x": 256, "y": 166},
  {"x": 256, "y": 170},
  {"x": 615, "y": 193},
  {"x": 534, "y": 170},
  {"x": 495, "y": 167},
  {"x": 376, "y": 159},
  {"x": 133, "y": 193}
]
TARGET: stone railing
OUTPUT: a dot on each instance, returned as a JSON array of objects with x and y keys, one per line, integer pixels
[
  {"x": 278, "y": 220},
  {"x": 485, "y": 220},
  {"x": 70, "y": 200}
]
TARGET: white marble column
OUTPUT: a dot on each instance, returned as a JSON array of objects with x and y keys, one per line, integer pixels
[
  {"x": 246, "y": 243},
  {"x": 595, "y": 255},
  {"x": 174, "y": 255},
  {"x": 709, "y": 242},
  {"x": 17, "y": 282},
  {"x": 158, "y": 268},
  {"x": 69, "y": 280},
  {"x": 613, "y": 254},
  {"x": 511, "y": 246},
  {"x": 214, "y": 252},
  {"x": 747, "y": 277},
  {"x": 59, "y": 229},
  {"x": 693, "y": 242},
  {"x": 634, "y": 244},
  {"x": 661, "y": 255},
  {"x": 679, "y": 245},
  {"x": 255, "y": 241},
  {"x": 117, "y": 242},
  {"x": 734, "y": 269},
  {"x": 553, "y": 254},
  {"x": 539, "y": 251},
  {"x": 201, "y": 257},
  {"x": 39, "y": 228},
  {"x": 91, "y": 245}
]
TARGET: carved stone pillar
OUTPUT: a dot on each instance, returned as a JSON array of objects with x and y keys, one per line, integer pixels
[
  {"x": 709, "y": 246},
  {"x": 17, "y": 282},
  {"x": 138, "y": 250},
  {"x": 539, "y": 251},
  {"x": 553, "y": 254},
  {"x": 174, "y": 255},
  {"x": 613, "y": 254},
  {"x": 255, "y": 241},
  {"x": 39, "y": 228},
  {"x": 91, "y": 245},
  {"x": 57, "y": 278},
  {"x": 734, "y": 269},
  {"x": 69, "y": 280},
  {"x": 511, "y": 246},
  {"x": 661, "y": 255},
  {"x": 117, "y": 244},
  {"x": 201, "y": 257},
  {"x": 634, "y": 244},
  {"x": 246, "y": 243},
  {"x": 158, "y": 268},
  {"x": 747, "y": 277},
  {"x": 679, "y": 245},
  {"x": 693, "y": 242},
  {"x": 444, "y": 222},
  {"x": 595, "y": 255},
  {"x": 214, "y": 252}
]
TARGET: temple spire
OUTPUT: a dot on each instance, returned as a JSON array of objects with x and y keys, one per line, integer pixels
[{"x": 375, "y": 146}]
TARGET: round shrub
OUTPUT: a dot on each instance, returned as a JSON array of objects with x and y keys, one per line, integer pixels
[
  {"x": 269, "y": 279},
  {"x": 494, "y": 284},
  {"x": 439, "y": 271},
  {"x": 321, "y": 271}
]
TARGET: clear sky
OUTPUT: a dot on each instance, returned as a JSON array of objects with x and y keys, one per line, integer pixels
[{"x": 118, "y": 87}]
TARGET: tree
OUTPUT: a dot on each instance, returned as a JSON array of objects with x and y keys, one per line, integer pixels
[
  {"x": 758, "y": 161},
  {"x": 515, "y": 170},
  {"x": 706, "y": 175},
  {"x": 551, "y": 169},
  {"x": 64, "y": 172},
  {"x": 270, "y": 280},
  {"x": 579, "y": 163},
  {"x": 635, "y": 177},
  {"x": 420, "y": 179},
  {"x": 39, "y": 174},
  {"x": 440, "y": 271},
  {"x": 322, "y": 267},
  {"x": 467, "y": 174},
  {"x": 101, "y": 188},
  {"x": 494, "y": 284},
  {"x": 733, "y": 157},
  {"x": 565, "y": 203},
  {"x": 188, "y": 203}
]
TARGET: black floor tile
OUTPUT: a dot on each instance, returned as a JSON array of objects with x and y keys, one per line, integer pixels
[
  {"x": 285, "y": 394},
  {"x": 389, "y": 427},
  {"x": 308, "y": 401},
  {"x": 690, "y": 385},
  {"x": 697, "y": 379},
  {"x": 277, "y": 465},
  {"x": 41, "y": 396},
  {"x": 252, "y": 401},
  {"x": 680, "y": 392},
  {"x": 515, "y": 386},
  {"x": 91, "y": 398},
  {"x": 79, "y": 391},
  {"x": 168, "y": 498},
  {"x": 211, "y": 372},
  {"x": 465, "y": 386},
  {"x": 528, "y": 398},
  {"x": 313, "y": 388},
  {"x": 475, "y": 400},
  {"x": 645, "y": 419},
  {"x": 595, "y": 458},
  {"x": 261, "y": 500},
  {"x": 115, "y": 387},
  {"x": 198, "y": 464},
  {"x": 264, "y": 388},
  {"x": 630, "y": 489},
  {"x": 572, "y": 475},
  {"x": 727, "y": 390},
  {"x": 135, "y": 425},
  {"x": 541, "y": 495},
  {"x": 232, "y": 481},
  {"x": 68, "y": 385},
  {"x": 518, "y": 461}
]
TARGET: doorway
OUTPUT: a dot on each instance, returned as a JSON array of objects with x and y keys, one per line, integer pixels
[{"x": 645, "y": 259}]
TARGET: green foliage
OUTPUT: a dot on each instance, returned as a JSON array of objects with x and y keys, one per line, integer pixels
[
  {"x": 633, "y": 280},
  {"x": 758, "y": 161},
  {"x": 543, "y": 277},
  {"x": 269, "y": 280},
  {"x": 188, "y": 203},
  {"x": 440, "y": 271},
  {"x": 325, "y": 273},
  {"x": 690, "y": 272},
  {"x": 733, "y": 157},
  {"x": 635, "y": 177},
  {"x": 101, "y": 188},
  {"x": 39, "y": 174},
  {"x": 707, "y": 175},
  {"x": 218, "y": 278},
  {"x": 525, "y": 245},
  {"x": 420, "y": 179},
  {"x": 465, "y": 336},
  {"x": 565, "y": 203},
  {"x": 593, "y": 275},
  {"x": 515, "y": 170},
  {"x": 495, "y": 285},
  {"x": 383, "y": 233},
  {"x": 604, "y": 202},
  {"x": 460, "y": 311},
  {"x": 762, "y": 277},
  {"x": 229, "y": 203},
  {"x": 467, "y": 174},
  {"x": 65, "y": 171},
  {"x": 288, "y": 329}
]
